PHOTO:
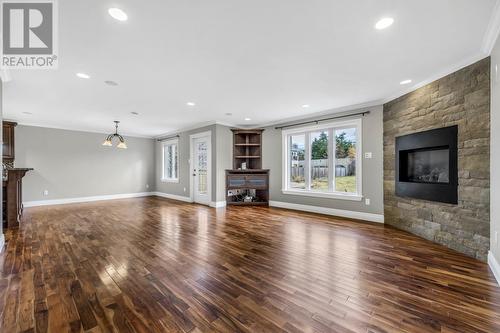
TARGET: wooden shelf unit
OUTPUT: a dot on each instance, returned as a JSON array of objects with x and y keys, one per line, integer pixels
[
  {"x": 247, "y": 148},
  {"x": 253, "y": 181}
]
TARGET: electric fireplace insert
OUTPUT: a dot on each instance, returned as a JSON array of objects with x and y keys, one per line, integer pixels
[{"x": 426, "y": 165}]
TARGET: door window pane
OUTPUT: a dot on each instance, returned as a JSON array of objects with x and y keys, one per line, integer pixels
[
  {"x": 297, "y": 161},
  {"x": 319, "y": 161},
  {"x": 345, "y": 160},
  {"x": 170, "y": 161},
  {"x": 202, "y": 166}
]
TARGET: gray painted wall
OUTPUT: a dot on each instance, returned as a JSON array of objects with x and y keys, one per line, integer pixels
[
  {"x": 72, "y": 164},
  {"x": 222, "y": 152},
  {"x": 372, "y": 175},
  {"x": 224, "y": 158},
  {"x": 495, "y": 152}
]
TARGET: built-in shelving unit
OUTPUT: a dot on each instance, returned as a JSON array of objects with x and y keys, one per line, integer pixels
[
  {"x": 247, "y": 183},
  {"x": 247, "y": 148}
]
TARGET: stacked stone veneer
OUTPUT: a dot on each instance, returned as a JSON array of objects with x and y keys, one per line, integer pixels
[{"x": 463, "y": 99}]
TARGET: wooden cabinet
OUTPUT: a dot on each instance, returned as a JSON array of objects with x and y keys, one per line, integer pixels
[
  {"x": 8, "y": 152},
  {"x": 243, "y": 183}
]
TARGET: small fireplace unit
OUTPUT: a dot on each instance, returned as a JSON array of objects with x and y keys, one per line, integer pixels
[{"x": 427, "y": 166}]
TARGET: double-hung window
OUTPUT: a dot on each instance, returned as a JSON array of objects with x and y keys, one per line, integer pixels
[
  {"x": 170, "y": 161},
  {"x": 323, "y": 160}
]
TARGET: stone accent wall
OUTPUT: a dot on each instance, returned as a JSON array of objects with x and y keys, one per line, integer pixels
[{"x": 461, "y": 98}]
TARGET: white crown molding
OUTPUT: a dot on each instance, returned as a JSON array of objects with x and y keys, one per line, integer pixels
[
  {"x": 86, "y": 199},
  {"x": 195, "y": 127},
  {"x": 75, "y": 129},
  {"x": 492, "y": 31},
  {"x": 379, "y": 218},
  {"x": 494, "y": 266},
  {"x": 341, "y": 109},
  {"x": 447, "y": 71}
]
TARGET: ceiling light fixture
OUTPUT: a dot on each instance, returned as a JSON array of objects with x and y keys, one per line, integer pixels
[
  {"x": 117, "y": 14},
  {"x": 228, "y": 114},
  {"x": 111, "y": 83},
  {"x": 247, "y": 119},
  {"x": 384, "y": 23},
  {"x": 135, "y": 113},
  {"x": 190, "y": 104},
  {"x": 26, "y": 112},
  {"x": 109, "y": 139},
  {"x": 405, "y": 82},
  {"x": 305, "y": 106},
  {"x": 83, "y": 75}
]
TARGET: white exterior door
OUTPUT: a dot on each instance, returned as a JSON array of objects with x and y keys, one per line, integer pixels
[{"x": 200, "y": 168}]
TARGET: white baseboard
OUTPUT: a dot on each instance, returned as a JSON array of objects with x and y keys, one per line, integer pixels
[
  {"x": 379, "y": 218},
  {"x": 494, "y": 266},
  {"x": 173, "y": 196},
  {"x": 86, "y": 199},
  {"x": 218, "y": 204},
  {"x": 2, "y": 241}
]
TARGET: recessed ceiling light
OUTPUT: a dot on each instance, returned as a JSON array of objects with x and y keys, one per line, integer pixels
[
  {"x": 405, "y": 82},
  {"x": 305, "y": 105},
  {"x": 135, "y": 113},
  {"x": 384, "y": 23},
  {"x": 111, "y": 83},
  {"x": 190, "y": 104},
  {"x": 228, "y": 114},
  {"x": 83, "y": 75},
  {"x": 247, "y": 119},
  {"x": 118, "y": 14}
]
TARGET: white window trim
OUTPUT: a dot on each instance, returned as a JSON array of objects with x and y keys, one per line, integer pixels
[
  {"x": 331, "y": 126},
  {"x": 163, "y": 178}
]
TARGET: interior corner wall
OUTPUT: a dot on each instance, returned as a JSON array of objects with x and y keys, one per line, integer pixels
[
  {"x": 495, "y": 152},
  {"x": 74, "y": 164},
  {"x": 371, "y": 168},
  {"x": 182, "y": 188},
  {"x": 461, "y": 98},
  {"x": 224, "y": 159}
]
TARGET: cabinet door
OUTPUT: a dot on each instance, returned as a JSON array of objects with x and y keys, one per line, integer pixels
[
  {"x": 236, "y": 181},
  {"x": 8, "y": 142},
  {"x": 257, "y": 181}
]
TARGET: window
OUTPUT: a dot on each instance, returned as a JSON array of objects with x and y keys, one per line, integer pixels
[
  {"x": 170, "y": 161},
  {"x": 323, "y": 160}
]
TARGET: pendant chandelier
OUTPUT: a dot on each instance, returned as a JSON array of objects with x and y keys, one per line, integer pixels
[{"x": 109, "y": 139}]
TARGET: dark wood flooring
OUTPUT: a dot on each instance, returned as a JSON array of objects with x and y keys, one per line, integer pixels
[{"x": 155, "y": 265}]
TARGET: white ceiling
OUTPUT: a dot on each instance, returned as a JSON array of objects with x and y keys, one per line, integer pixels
[{"x": 259, "y": 59}]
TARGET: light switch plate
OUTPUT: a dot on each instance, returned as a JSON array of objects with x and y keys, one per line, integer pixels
[
  {"x": 368, "y": 155},
  {"x": 367, "y": 202}
]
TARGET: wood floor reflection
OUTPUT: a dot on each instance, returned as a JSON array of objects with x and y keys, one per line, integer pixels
[{"x": 156, "y": 265}]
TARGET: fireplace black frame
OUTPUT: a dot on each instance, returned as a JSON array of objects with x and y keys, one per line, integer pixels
[{"x": 441, "y": 138}]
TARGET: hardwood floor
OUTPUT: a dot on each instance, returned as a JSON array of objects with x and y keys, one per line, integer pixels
[{"x": 155, "y": 265}]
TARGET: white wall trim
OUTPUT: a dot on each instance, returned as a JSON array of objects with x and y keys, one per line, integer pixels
[
  {"x": 218, "y": 204},
  {"x": 86, "y": 199},
  {"x": 492, "y": 31},
  {"x": 330, "y": 211},
  {"x": 2, "y": 242},
  {"x": 173, "y": 196},
  {"x": 494, "y": 266}
]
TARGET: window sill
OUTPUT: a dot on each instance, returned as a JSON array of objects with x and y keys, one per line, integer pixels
[
  {"x": 340, "y": 196},
  {"x": 166, "y": 180}
]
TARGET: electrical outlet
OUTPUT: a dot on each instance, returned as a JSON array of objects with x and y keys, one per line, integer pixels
[
  {"x": 147, "y": 185},
  {"x": 368, "y": 155},
  {"x": 46, "y": 192},
  {"x": 184, "y": 189},
  {"x": 367, "y": 202}
]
